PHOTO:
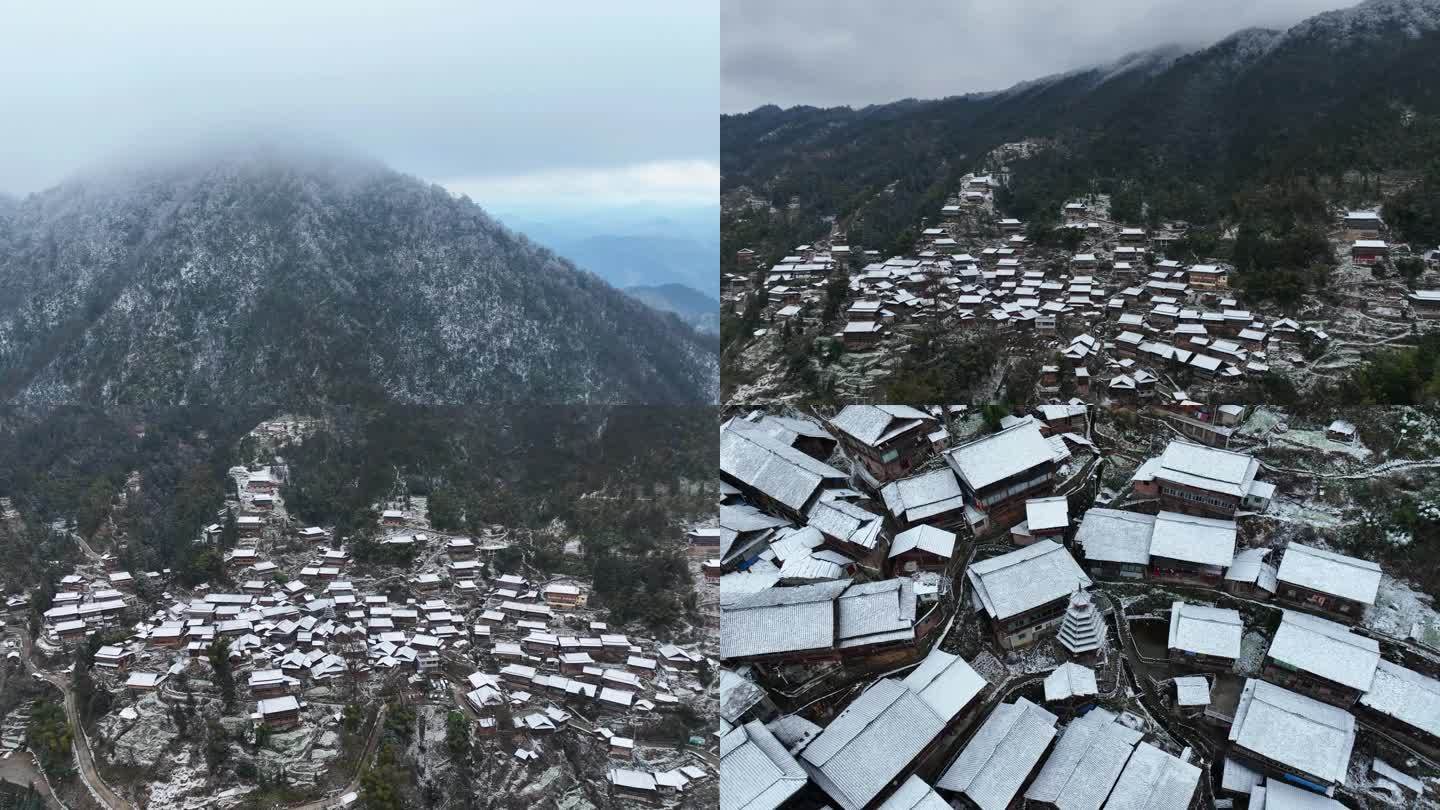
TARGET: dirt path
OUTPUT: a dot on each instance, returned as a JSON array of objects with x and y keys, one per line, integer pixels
[{"x": 1387, "y": 468}]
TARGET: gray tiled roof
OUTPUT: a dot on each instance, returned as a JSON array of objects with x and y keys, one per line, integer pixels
[
  {"x": 945, "y": 682},
  {"x": 1207, "y": 468},
  {"x": 1294, "y": 730},
  {"x": 875, "y": 424},
  {"x": 773, "y": 467},
  {"x": 1086, "y": 762},
  {"x": 756, "y": 772},
  {"x": 1192, "y": 539},
  {"x": 1114, "y": 535},
  {"x": 1026, "y": 578},
  {"x": 778, "y": 620},
  {"x": 870, "y": 743},
  {"x": 1001, "y": 755},
  {"x": 876, "y": 611},
  {"x": 1325, "y": 648},
  {"x": 1405, "y": 695},
  {"x": 1205, "y": 630},
  {"x": 1328, "y": 572},
  {"x": 1000, "y": 455},
  {"x": 1154, "y": 780},
  {"x": 923, "y": 496},
  {"x": 914, "y": 794}
]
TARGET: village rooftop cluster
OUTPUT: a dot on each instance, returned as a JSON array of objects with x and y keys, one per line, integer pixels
[
  {"x": 1154, "y": 651},
  {"x": 525, "y": 660},
  {"x": 1144, "y": 307}
]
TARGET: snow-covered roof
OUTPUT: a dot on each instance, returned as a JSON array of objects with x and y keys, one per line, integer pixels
[
  {"x": 1209, "y": 468},
  {"x": 923, "y": 496},
  {"x": 1001, "y": 754},
  {"x": 876, "y": 424},
  {"x": 1025, "y": 578},
  {"x": 773, "y": 467},
  {"x": 846, "y": 521},
  {"x": 945, "y": 682},
  {"x": 868, "y": 744},
  {"x": 760, "y": 774},
  {"x": 633, "y": 779},
  {"x": 1328, "y": 572},
  {"x": 1249, "y": 566},
  {"x": 1205, "y": 630},
  {"x": 1405, "y": 695},
  {"x": 1154, "y": 780},
  {"x": 1070, "y": 680},
  {"x": 276, "y": 705},
  {"x": 1048, "y": 513},
  {"x": 1237, "y": 777},
  {"x": 1277, "y": 795},
  {"x": 802, "y": 558},
  {"x": 1192, "y": 690},
  {"x": 1325, "y": 648},
  {"x": 1115, "y": 535},
  {"x": 914, "y": 794},
  {"x": 1085, "y": 763},
  {"x": 1294, "y": 730},
  {"x": 1000, "y": 455},
  {"x": 778, "y": 620},
  {"x": 1382, "y": 768},
  {"x": 144, "y": 680},
  {"x": 926, "y": 538},
  {"x": 876, "y": 612},
  {"x": 1199, "y": 540}
]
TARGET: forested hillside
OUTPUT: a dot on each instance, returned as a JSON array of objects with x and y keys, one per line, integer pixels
[{"x": 151, "y": 317}]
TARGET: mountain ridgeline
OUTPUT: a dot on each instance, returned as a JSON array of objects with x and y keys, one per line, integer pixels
[
  {"x": 262, "y": 277},
  {"x": 1348, "y": 91}
]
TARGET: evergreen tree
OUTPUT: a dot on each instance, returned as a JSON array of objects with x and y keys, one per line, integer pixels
[{"x": 219, "y": 655}]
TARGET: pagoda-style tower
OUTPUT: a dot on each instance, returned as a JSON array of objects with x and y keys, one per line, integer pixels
[{"x": 1082, "y": 631}]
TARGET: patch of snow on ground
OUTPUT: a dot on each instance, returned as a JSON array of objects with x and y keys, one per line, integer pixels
[
  {"x": 1261, "y": 421},
  {"x": 1252, "y": 653},
  {"x": 1311, "y": 512},
  {"x": 1398, "y": 608},
  {"x": 989, "y": 667},
  {"x": 1035, "y": 658},
  {"x": 1317, "y": 440}
]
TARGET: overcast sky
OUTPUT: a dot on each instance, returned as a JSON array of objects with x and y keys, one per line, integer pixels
[
  {"x": 514, "y": 103},
  {"x": 856, "y": 52}
]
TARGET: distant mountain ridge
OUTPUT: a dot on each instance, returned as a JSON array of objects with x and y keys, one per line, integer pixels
[
  {"x": 1344, "y": 90},
  {"x": 693, "y": 307},
  {"x": 680, "y": 247},
  {"x": 271, "y": 275}
]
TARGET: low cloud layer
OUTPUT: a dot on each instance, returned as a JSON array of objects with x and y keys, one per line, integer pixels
[
  {"x": 483, "y": 91},
  {"x": 857, "y": 52},
  {"x": 681, "y": 182}
]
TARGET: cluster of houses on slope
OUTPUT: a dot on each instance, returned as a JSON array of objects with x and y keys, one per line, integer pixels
[
  {"x": 1316, "y": 667},
  {"x": 284, "y": 635},
  {"x": 1008, "y": 286}
]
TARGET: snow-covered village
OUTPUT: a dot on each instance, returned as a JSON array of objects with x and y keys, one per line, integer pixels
[
  {"x": 314, "y": 674},
  {"x": 1083, "y": 605},
  {"x": 1119, "y": 304}
]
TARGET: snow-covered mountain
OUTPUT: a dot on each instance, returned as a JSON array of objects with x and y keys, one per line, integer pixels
[{"x": 268, "y": 274}]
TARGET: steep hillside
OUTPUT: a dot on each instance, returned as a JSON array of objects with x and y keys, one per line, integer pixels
[
  {"x": 263, "y": 276},
  {"x": 1344, "y": 91}
]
